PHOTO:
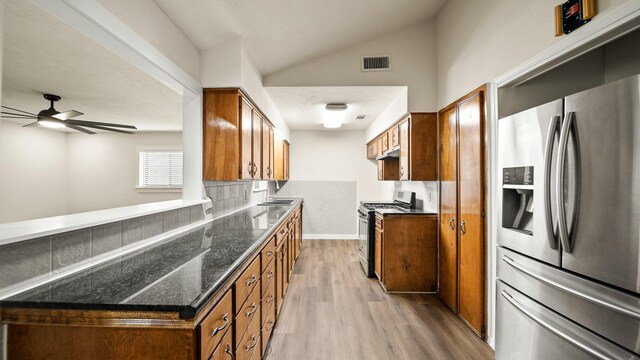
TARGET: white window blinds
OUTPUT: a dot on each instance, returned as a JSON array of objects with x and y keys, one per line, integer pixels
[{"x": 160, "y": 169}]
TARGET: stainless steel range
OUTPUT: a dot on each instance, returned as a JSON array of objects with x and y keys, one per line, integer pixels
[{"x": 366, "y": 224}]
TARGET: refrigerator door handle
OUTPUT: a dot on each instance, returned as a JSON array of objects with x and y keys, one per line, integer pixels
[
  {"x": 563, "y": 230},
  {"x": 576, "y": 336},
  {"x": 551, "y": 137},
  {"x": 600, "y": 298}
]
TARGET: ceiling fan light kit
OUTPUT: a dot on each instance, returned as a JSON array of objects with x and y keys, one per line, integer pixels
[{"x": 53, "y": 119}]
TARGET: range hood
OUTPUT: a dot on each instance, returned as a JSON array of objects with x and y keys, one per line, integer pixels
[{"x": 390, "y": 154}]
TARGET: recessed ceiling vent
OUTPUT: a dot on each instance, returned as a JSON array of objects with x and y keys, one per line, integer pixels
[
  {"x": 376, "y": 63},
  {"x": 361, "y": 117}
]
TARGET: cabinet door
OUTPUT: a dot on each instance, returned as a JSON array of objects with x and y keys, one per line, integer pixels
[
  {"x": 378, "y": 254},
  {"x": 395, "y": 138},
  {"x": 372, "y": 150},
  {"x": 404, "y": 149},
  {"x": 471, "y": 199},
  {"x": 385, "y": 142},
  {"x": 279, "y": 277},
  {"x": 286, "y": 148},
  {"x": 246, "y": 144},
  {"x": 267, "y": 150},
  {"x": 257, "y": 144},
  {"x": 380, "y": 170},
  {"x": 448, "y": 249}
]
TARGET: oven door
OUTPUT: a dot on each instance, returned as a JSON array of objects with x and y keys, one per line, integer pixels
[{"x": 363, "y": 240}]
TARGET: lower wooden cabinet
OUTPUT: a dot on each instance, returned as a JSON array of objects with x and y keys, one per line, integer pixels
[
  {"x": 216, "y": 324},
  {"x": 225, "y": 349},
  {"x": 406, "y": 252}
]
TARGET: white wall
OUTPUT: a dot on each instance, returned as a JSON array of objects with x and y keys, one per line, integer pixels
[
  {"x": 478, "y": 41},
  {"x": 33, "y": 172},
  {"x": 149, "y": 21},
  {"x": 102, "y": 170},
  {"x": 389, "y": 116},
  {"x": 230, "y": 65},
  {"x": 335, "y": 156},
  {"x": 413, "y": 57}
]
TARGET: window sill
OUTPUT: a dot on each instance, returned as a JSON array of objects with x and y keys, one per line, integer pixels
[{"x": 159, "y": 189}]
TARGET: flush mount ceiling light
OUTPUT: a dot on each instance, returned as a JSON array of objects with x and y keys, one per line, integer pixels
[
  {"x": 334, "y": 115},
  {"x": 54, "y": 119}
]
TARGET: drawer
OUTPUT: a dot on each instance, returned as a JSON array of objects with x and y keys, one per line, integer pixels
[
  {"x": 268, "y": 253},
  {"x": 250, "y": 311},
  {"x": 246, "y": 282},
  {"x": 214, "y": 325},
  {"x": 268, "y": 299},
  {"x": 267, "y": 329},
  {"x": 250, "y": 342},
  {"x": 267, "y": 277},
  {"x": 224, "y": 350},
  {"x": 281, "y": 234}
]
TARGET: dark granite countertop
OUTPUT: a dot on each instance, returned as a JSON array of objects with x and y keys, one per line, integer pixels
[
  {"x": 177, "y": 274},
  {"x": 385, "y": 212}
]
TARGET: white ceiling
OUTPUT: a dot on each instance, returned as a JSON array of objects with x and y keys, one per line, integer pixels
[
  {"x": 281, "y": 33},
  {"x": 41, "y": 54},
  {"x": 303, "y": 107}
]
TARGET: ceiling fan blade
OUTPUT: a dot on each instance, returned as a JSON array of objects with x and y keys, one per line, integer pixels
[
  {"x": 18, "y": 117},
  {"x": 109, "y": 129},
  {"x": 67, "y": 115},
  {"x": 21, "y": 115},
  {"x": 32, "y": 124},
  {"x": 22, "y": 111},
  {"x": 88, "y": 123},
  {"x": 74, "y": 127}
]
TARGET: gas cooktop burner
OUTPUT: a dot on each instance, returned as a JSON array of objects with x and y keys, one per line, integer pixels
[{"x": 371, "y": 206}]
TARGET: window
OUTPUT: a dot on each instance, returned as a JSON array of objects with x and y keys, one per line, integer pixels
[{"x": 159, "y": 169}]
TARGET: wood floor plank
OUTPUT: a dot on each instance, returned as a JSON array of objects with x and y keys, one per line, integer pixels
[{"x": 332, "y": 311}]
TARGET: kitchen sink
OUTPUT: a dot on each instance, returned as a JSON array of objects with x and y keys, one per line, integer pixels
[{"x": 277, "y": 202}]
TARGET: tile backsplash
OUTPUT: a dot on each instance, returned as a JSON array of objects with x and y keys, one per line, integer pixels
[
  {"x": 229, "y": 196},
  {"x": 25, "y": 262}
]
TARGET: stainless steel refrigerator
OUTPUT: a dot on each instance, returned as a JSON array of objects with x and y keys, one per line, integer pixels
[{"x": 569, "y": 235}]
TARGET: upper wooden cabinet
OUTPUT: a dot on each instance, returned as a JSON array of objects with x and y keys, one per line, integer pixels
[
  {"x": 281, "y": 159},
  {"x": 268, "y": 165},
  {"x": 237, "y": 137},
  {"x": 416, "y": 138}
]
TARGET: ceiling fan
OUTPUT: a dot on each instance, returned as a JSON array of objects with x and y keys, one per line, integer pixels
[{"x": 52, "y": 118}]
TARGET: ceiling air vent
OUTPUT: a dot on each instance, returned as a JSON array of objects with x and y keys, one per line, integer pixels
[
  {"x": 376, "y": 63},
  {"x": 361, "y": 117}
]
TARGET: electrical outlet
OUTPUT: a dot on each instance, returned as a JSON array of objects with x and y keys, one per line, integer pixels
[
  {"x": 429, "y": 197},
  {"x": 246, "y": 195}
]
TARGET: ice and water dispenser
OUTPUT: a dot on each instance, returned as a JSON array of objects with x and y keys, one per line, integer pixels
[{"x": 517, "y": 199}]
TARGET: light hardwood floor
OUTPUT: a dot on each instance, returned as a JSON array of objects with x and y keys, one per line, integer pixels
[{"x": 332, "y": 311}]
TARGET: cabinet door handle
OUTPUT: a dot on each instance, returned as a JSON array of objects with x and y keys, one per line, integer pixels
[
  {"x": 225, "y": 319},
  {"x": 255, "y": 169},
  {"x": 250, "y": 168},
  {"x": 270, "y": 299},
  {"x": 463, "y": 228},
  {"x": 271, "y": 273},
  {"x": 271, "y": 323},
  {"x": 252, "y": 280},
  {"x": 270, "y": 253},
  {"x": 254, "y": 308},
  {"x": 255, "y": 342},
  {"x": 451, "y": 224},
  {"x": 227, "y": 350}
]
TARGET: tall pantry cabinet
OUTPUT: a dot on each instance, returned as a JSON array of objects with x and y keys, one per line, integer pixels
[{"x": 462, "y": 208}]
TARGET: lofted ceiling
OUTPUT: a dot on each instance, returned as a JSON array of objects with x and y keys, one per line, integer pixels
[
  {"x": 41, "y": 54},
  {"x": 303, "y": 107},
  {"x": 281, "y": 33}
]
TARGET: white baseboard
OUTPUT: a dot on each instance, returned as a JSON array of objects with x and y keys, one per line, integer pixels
[{"x": 329, "y": 236}]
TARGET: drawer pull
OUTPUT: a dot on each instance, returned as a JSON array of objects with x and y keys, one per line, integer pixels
[
  {"x": 271, "y": 322},
  {"x": 225, "y": 318},
  {"x": 252, "y": 280},
  {"x": 270, "y": 253},
  {"x": 227, "y": 350},
  {"x": 254, "y": 308},
  {"x": 270, "y": 299},
  {"x": 271, "y": 273},
  {"x": 255, "y": 342}
]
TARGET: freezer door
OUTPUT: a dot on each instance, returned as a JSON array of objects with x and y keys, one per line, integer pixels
[
  {"x": 604, "y": 242},
  {"x": 611, "y": 313},
  {"x": 530, "y": 138},
  {"x": 527, "y": 330}
]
